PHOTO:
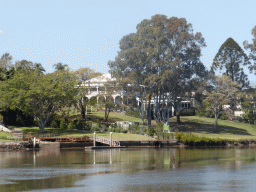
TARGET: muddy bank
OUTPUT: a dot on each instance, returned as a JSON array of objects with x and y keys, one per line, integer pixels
[{"x": 14, "y": 146}]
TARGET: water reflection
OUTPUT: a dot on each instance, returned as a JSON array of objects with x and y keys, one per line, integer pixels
[{"x": 126, "y": 169}]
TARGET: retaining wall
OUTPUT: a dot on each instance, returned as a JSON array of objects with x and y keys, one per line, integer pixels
[{"x": 160, "y": 143}]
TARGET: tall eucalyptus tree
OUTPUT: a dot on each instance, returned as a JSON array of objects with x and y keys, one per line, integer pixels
[
  {"x": 148, "y": 57},
  {"x": 252, "y": 48}
]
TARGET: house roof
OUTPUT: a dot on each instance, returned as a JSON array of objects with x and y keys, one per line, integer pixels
[{"x": 101, "y": 79}]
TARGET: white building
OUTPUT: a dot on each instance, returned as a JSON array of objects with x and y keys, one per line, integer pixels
[{"x": 96, "y": 88}]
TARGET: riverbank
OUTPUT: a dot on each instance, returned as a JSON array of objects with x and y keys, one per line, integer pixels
[{"x": 14, "y": 146}]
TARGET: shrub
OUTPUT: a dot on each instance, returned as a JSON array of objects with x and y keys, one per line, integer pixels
[
  {"x": 111, "y": 129},
  {"x": 95, "y": 129},
  {"x": 71, "y": 125},
  {"x": 125, "y": 131},
  {"x": 118, "y": 130},
  {"x": 53, "y": 124},
  {"x": 138, "y": 132},
  {"x": 151, "y": 131},
  {"x": 80, "y": 124},
  {"x": 98, "y": 124},
  {"x": 62, "y": 124},
  {"x": 145, "y": 130},
  {"x": 136, "y": 127},
  {"x": 224, "y": 116}
]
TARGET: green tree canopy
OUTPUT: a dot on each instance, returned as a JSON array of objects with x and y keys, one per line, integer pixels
[
  {"x": 231, "y": 58},
  {"x": 86, "y": 73},
  {"x": 38, "y": 94},
  {"x": 159, "y": 46},
  {"x": 5, "y": 66},
  {"x": 225, "y": 90},
  {"x": 252, "y": 48}
]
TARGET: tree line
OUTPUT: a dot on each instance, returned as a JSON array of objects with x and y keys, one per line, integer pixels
[
  {"x": 159, "y": 62},
  {"x": 29, "y": 94}
]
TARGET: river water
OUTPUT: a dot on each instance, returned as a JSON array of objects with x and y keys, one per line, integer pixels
[{"x": 142, "y": 169}]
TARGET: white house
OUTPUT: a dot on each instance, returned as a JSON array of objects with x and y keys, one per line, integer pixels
[{"x": 96, "y": 88}]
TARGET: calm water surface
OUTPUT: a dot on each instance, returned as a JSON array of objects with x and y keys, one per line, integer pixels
[{"x": 165, "y": 169}]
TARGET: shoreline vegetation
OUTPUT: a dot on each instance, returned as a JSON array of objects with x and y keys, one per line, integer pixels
[{"x": 192, "y": 131}]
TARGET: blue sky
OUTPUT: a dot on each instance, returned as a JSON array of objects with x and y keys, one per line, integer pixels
[{"x": 83, "y": 33}]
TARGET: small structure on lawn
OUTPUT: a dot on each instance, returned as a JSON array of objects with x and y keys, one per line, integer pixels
[{"x": 125, "y": 124}]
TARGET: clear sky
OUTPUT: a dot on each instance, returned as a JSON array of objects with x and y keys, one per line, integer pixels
[{"x": 86, "y": 33}]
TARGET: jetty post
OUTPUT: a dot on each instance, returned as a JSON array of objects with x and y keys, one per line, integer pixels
[
  {"x": 34, "y": 143},
  {"x": 110, "y": 139},
  {"x": 94, "y": 139}
]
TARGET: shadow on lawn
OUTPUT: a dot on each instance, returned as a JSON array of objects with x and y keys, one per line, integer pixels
[{"x": 207, "y": 128}]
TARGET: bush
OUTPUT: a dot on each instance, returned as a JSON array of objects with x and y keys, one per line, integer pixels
[
  {"x": 98, "y": 124},
  {"x": 111, "y": 129},
  {"x": 145, "y": 130},
  {"x": 178, "y": 135},
  {"x": 224, "y": 116},
  {"x": 105, "y": 129},
  {"x": 53, "y": 124},
  {"x": 17, "y": 118},
  {"x": 80, "y": 124},
  {"x": 159, "y": 127},
  {"x": 95, "y": 129},
  {"x": 63, "y": 124},
  {"x": 125, "y": 131},
  {"x": 136, "y": 127},
  {"x": 193, "y": 140},
  {"x": 71, "y": 125},
  {"x": 118, "y": 130},
  {"x": 162, "y": 136},
  {"x": 151, "y": 131},
  {"x": 138, "y": 132}
]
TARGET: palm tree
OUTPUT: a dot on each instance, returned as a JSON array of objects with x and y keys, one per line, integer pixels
[
  {"x": 40, "y": 67},
  {"x": 60, "y": 66}
]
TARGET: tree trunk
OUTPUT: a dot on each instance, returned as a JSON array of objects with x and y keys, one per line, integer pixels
[
  {"x": 82, "y": 110},
  {"x": 107, "y": 110},
  {"x": 149, "y": 111},
  {"x": 215, "y": 123},
  {"x": 178, "y": 118}
]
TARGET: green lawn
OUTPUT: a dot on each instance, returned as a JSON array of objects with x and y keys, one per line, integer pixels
[
  {"x": 200, "y": 126},
  {"x": 5, "y": 137},
  {"x": 115, "y": 116},
  {"x": 203, "y": 126}
]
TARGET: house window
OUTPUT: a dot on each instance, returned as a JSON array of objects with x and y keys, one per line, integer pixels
[
  {"x": 182, "y": 105},
  {"x": 188, "y": 105}
]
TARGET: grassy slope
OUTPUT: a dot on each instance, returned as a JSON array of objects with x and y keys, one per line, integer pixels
[
  {"x": 199, "y": 125},
  {"x": 4, "y": 137},
  {"x": 227, "y": 129}
]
